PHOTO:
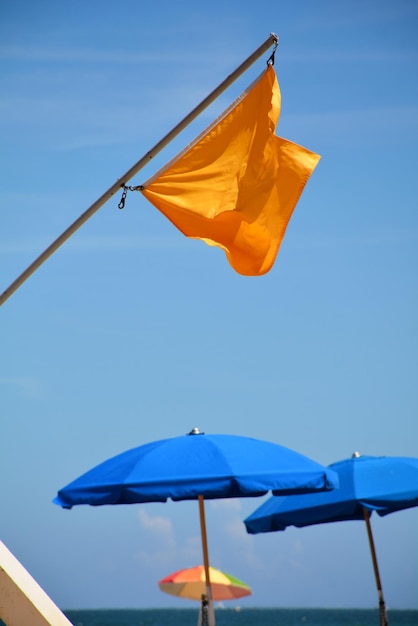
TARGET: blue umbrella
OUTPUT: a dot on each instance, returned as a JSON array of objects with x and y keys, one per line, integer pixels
[
  {"x": 197, "y": 467},
  {"x": 367, "y": 484}
]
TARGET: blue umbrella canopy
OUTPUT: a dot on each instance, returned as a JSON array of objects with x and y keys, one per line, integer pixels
[
  {"x": 366, "y": 484},
  {"x": 381, "y": 484},
  {"x": 185, "y": 467}
]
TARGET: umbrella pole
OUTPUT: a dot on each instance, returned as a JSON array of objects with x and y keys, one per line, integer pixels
[
  {"x": 382, "y": 607},
  {"x": 206, "y": 559}
]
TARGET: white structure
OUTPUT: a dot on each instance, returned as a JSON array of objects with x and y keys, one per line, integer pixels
[{"x": 22, "y": 601}]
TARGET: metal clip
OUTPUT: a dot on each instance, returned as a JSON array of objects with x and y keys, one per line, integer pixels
[
  {"x": 121, "y": 204},
  {"x": 270, "y": 60}
]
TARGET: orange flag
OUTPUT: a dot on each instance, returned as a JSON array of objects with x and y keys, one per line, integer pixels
[{"x": 237, "y": 184}]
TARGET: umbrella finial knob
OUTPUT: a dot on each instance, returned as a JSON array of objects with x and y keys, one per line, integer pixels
[
  {"x": 355, "y": 455},
  {"x": 195, "y": 431}
]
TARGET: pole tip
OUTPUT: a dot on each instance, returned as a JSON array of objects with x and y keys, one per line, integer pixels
[{"x": 195, "y": 431}]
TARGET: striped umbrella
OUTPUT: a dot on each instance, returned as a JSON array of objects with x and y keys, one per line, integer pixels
[{"x": 191, "y": 583}]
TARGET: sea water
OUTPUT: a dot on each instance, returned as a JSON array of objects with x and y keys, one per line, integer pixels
[{"x": 243, "y": 617}]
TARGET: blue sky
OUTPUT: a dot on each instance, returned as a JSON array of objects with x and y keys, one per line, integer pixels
[{"x": 131, "y": 333}]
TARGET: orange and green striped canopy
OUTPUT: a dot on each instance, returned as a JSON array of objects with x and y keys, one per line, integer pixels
[{"x": 190, "y": 583}]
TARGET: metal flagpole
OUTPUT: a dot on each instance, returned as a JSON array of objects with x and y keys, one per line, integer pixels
[{"x": 271, "y": 40}]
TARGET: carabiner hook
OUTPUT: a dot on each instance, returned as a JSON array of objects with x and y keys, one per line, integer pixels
[{"x": 121, "y": 204}]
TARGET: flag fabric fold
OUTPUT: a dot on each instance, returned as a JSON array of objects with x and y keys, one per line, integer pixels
[{"x": 237, "y": 184}]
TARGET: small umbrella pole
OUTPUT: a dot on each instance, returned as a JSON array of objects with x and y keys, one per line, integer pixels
[
  {"x": 271, "y": 40},
  {"x": 206, "y": 559},
  {"x": 382, "y": 607}
]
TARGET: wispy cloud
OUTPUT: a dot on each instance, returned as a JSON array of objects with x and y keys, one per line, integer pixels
[
  {"x": 129, "y": 242},
  {"x": 35, "y": 54},
  {"x": 64, "y": 121},
  {"x": 26, "y": 386},
  {"x": 229, "y": 513},
  {"x": 333, "y": 56},
  {"x": 377, "y": 238},
  {"x": 295, "y": 557},
  {"x": 362, "y": 126},
  {"x": 370, "y": 14},
  {"x": 99, "y": 243},
  {"x": 230, "y": 504},
  {"x": 162, "y": 551},
  {"x": 159, "y": 526}
]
